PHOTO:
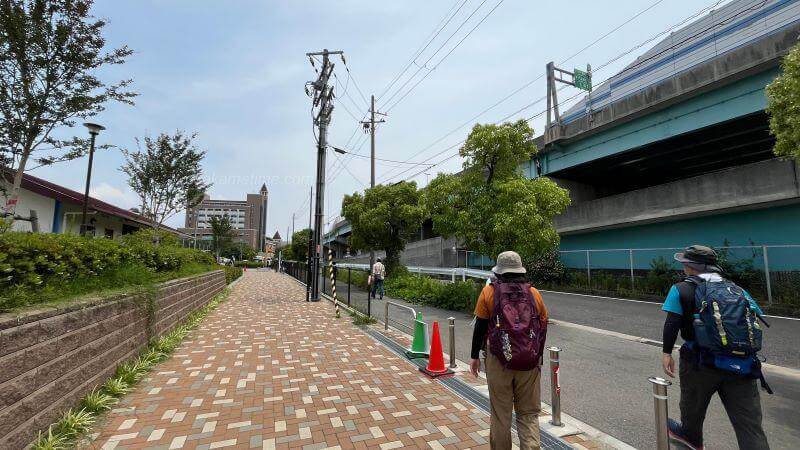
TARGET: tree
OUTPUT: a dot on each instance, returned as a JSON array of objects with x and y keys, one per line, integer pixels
[
  {"x": 384, "y": 217},
  {"x": 490, "y": 206},
  {"x": 238, "y": 250},
  {"x": 166, "y": 175},
  {"x": 50, "y": 53},
  {"x": 299, "y": 245},
  {"x": 783, "y": 106},
  {"x": 222, "y": 233}
]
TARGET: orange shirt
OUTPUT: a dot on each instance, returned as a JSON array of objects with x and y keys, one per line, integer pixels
[{"x": 485, "y": 306}]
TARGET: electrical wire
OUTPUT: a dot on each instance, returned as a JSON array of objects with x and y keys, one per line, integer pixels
[
  {"x": 429, "y": 40},
  {"x": 355, "y": 83},
  {"x": 424, "y": 65},
  {"x": 445, "y": 56},
  {"x": 638, "y": 63},
  {"x": 602, "y": 66},
  {"x": 529, "y": 83}
]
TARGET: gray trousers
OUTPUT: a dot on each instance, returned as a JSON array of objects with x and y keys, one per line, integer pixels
[{"x": 739, "y": 395}]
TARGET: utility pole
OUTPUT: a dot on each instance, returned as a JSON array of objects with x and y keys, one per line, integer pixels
[
  {"x": 371, "y": 126},
  {"x": 308, "y": 252},
  {"x": 323, "y": 100}
]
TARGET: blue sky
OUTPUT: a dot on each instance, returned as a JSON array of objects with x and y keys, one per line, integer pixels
[{"x": 234, "y": 73}]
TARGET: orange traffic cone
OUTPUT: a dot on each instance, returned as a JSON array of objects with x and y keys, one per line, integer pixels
[{"x": 436, "y": 367}]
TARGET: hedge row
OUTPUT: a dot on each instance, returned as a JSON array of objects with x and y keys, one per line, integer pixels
[
  {"x": 31, "y": 260},
  {"x": 250, "y": 264},
  {"x": 423, "y": 290},
  {"x": 232, "y": 273}
]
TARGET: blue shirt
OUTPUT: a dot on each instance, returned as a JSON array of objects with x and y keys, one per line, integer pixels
[{"x": 673, "y": 302}]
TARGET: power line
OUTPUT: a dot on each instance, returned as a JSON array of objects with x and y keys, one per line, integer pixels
[
  {"x": 529, "y": 83},
  {"x": 355, "y": 83},
  {"x": 637, "y": 64},
  {"x": 351, "y": 173},
  {"x": 424, "y": 65},
  {"x": 429, "y": 40},
  {"x": 445, "y": 56},
  {"x": 601, "y": 67},
  {"x": 346, "y": 94}
]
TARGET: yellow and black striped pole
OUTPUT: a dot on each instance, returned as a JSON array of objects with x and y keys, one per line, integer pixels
[{"x": 333, "y": 282}]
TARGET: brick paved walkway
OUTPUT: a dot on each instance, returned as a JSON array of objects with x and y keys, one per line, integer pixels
[{"x": 268, "y": 370}]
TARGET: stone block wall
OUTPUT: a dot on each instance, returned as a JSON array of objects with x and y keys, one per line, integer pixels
[{"x": 50, "y": 360}]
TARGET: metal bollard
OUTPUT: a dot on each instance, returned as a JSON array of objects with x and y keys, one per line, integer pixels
[
  {"x": 386, "y": 315},
  {"x": 661, "y": 411},
  {"x": 555, "y": 386},
  {"x": 451, "y": 324}
]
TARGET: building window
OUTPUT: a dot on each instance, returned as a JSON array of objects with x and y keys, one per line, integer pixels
[{"x": 109, "y": 233}]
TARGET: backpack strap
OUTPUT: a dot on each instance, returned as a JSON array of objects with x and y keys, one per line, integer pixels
[{"x": 687, "y": 290}]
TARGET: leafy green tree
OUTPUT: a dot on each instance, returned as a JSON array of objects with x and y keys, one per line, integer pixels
[
  {"x": 299, "y": 245},
  {"x": 783, "y": 96},
  {"x": 50, "y": 55},
  {"x": 238, "y": 250},
  {"x": 222, "y": 233},
  {"x": 166, "y": 174},
  {"x": 384, "y": 217},
  {"x": 490, "y": 206}
]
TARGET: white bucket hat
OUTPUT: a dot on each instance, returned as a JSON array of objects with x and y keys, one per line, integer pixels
[{"x": 508, "y": 262}]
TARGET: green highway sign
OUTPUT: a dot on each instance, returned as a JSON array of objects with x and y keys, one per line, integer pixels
[{"x": 583, "y": 80}]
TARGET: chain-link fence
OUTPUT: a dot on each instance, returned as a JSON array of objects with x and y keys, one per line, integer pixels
[{"x": 770, "y": 273}]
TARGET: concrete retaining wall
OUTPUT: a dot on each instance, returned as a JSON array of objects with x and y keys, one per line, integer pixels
[
  {"x": 740, "y": 187},
  {"x": 433, "y": 252},
  {"x": 50, "y": 360}
]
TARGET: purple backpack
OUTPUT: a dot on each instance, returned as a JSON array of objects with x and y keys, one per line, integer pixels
[{"x": 516, "y": 332}]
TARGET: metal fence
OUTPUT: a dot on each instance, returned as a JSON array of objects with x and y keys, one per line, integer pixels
[{"x": 771, "y": 273}]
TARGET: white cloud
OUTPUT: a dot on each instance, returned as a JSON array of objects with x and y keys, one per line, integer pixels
[{"x": 113, "y": 195}]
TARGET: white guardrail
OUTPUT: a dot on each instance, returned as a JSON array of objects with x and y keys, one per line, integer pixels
[{"x": 453, "y": 272}]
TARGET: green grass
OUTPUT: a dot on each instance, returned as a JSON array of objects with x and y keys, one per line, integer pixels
[
  {"x": 361, "y": 319},
  {"x": 128, "y": 279},
  {"x": 64, "y": 434}
]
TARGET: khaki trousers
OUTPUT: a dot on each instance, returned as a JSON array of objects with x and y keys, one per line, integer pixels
[{"x": 513, "y": 390}]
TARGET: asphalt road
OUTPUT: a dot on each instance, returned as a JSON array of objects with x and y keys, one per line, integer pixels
[
  {"x": 645, "y": 319},
  {"x": 604, "y": 377}
]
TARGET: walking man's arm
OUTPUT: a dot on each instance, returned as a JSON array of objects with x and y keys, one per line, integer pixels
[{"x": 672, "y": 326}]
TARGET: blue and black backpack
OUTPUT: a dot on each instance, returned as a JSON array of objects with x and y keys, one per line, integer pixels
[{"x": 727, "y": 331}]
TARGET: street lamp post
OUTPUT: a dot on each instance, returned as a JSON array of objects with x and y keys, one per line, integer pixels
[{"x": 94, "y": 130}]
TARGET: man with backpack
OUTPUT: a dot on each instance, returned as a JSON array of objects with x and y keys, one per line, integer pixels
[
  {"x": 378, "y": 274},
  {"x": 719, "y": 323},
  {"x": 513, "y": 316}
]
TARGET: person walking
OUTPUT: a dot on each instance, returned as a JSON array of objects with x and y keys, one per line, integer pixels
[
  {"x": 378, "y": 274},
  {"x": 718, "y": 322},
  {"x": 512, "y": 318}
]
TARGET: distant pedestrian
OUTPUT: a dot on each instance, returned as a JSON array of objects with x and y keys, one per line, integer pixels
[
  {"x": 513, "y": 315},
  {"x": 378, "y": 274},
  {"x": 718, "y": 322}
]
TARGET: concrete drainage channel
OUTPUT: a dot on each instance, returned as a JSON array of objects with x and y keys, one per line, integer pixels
[{"x": 463, "y": 389}]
